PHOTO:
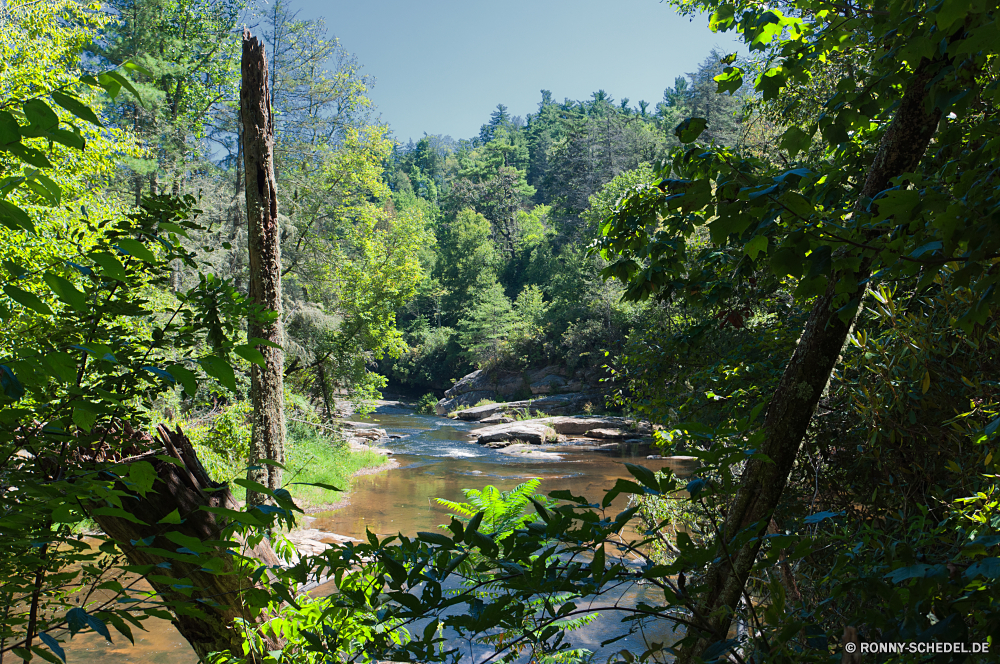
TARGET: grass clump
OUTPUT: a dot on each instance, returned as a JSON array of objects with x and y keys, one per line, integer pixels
[
  {"x": 312, "y": 454},
  {"x": 315, "y": 456}
]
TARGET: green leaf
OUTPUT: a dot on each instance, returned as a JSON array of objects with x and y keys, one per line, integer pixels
[
  {"x": 950, "y": 12},
  {"x": 219, "y": 369},
  {"x": 45, "y": 187},
  {"x": 597, "y": 564},
  {"x": 10, "y": 130},
  {"x": 172, "y": 518},
  {"x": 434, "y": 538},
  {"x": 730, "y": 80},
  {"x": 110, "y": 84},
  {"x": 12, "y": 387},
  {"x": 644, "y": 475},
  {"x": 41, "y": 118},
  {"x": 757, "y": 244},
  {"x": 835, "y": 133},
  {"x": 30, "y": 155},
  {"x": 118, "y": 513},
  {"x": 820, "y": 516},
  {"x": 53, "y": 645},
  {"x": 322, "y": 485},
  {"x": 15, "y": 218},
  {"x": 66, "y": 291},
  {"x": 988, "y": 567},
  {"x": 137, "y": 249},
  {"x": 142, "y": 475},
  {"x": 235, "y": 515},
  {"x": 253, "y": 486},
  {"x": 794, "y": 140},
  {"x": 139, "y": 68},
  {"x": 918, "y": 571},
  {"x": 111, "y": 266},
  {"x": 84, "y": 418},
  {"x": 70, "y": 139},
  {"x": 109, "y": 78},
  {"x": 61, "y": 365},
  {"x": 185, "y": 377},
  {"x": 15, "y": 270},
  {"x": 689, "y": 130},
  {"x": 251, "y": 354},
  {"x": 76, "y": 107},
  {"x": 787, "y": 261},
  {"x": 797, "y": 204},
  {"x": 26, "y": 299}
]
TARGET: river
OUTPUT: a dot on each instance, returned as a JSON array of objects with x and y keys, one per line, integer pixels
[{"x": 436, "y": 461}]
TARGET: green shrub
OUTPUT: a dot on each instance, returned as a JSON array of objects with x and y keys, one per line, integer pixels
[
  {"x": 223, "y": 444},
  {"x": 427, "y": 403}
]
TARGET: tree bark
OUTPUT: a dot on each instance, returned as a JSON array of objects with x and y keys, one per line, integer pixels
[
  {"x": 186, "y": 488},
  {"x": 267, "y": 382},
  {"x": 803, "y": 381}
]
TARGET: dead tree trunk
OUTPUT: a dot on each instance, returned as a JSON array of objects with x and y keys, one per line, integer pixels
[
  {"x": 187, "y": 488},
  {"x": 267, "y": 382},
  {"x": 803, "y": 381}
]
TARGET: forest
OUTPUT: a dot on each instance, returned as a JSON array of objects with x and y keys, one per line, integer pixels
[{"x": 216, "y": 260}]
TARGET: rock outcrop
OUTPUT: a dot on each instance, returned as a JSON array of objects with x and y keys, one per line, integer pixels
[
  {"x": 513, "y": 387},
  {"x": 556, "y": 404},
  {"x": 501, "y": 435},
  {"x": 556, "y": 429}
]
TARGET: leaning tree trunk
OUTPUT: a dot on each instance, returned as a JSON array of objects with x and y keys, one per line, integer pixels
[
  {"x": 267, "y": 382},
  {"x": 186, "y": 488},
  {"x": 802, "y": 383}
]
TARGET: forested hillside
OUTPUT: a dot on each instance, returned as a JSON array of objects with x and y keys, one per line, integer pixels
[
  {"x": 784, "y": 272},
  {"x": 511, "y": 282}
]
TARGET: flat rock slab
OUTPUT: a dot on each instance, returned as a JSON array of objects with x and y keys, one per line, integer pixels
[
  {"x": 477, "y": 413},
  {"x": 531, "y": 452},
  {"x": 497, "y": 418},
  {"x": 611, "y": 434},
  {"x": 374, "y": 434},
  {"x": 357, "y": 425},
  {"x": 529, "y": 431},
  {"x": 312, "y": 542},
  {"x": 580, "y": 426}
]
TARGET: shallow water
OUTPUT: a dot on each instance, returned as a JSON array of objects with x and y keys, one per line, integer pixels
[{"x": 437, "y": 461}]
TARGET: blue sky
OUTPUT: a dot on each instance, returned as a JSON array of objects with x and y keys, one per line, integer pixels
[{"x": 441, "y": 67}]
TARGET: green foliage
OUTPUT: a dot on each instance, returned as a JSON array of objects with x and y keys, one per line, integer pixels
[
  {"x": 503, "y": 511},
  {"x": 427, "y": 403}
]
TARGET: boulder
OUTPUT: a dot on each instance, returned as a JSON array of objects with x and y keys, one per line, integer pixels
[
  {"x": 611, "y": 434},
  {"x": 580, "y": 426},
  {"x": 370, "y": 434},
  {"x": 548, "y": 384},
  {"x": 529, "y": 431},
  {"x": 478, "y": 385},
  {"x": 347, "y": 424},
  {"x": 450, "y": 404},
  {"x": 497, "y": 418},
  {"x": 477, "y": 413}
]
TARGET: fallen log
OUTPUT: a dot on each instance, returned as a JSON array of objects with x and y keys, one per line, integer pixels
[{"x": 217, "y": 597}]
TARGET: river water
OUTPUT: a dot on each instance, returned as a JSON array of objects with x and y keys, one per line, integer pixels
[{"x": 436, "y": 461}]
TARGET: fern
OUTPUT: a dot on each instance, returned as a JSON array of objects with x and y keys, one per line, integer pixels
[{"x": 503, "y": 511}]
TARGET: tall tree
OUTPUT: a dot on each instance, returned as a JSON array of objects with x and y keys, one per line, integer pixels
[{"x": 267, "y": 375}]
